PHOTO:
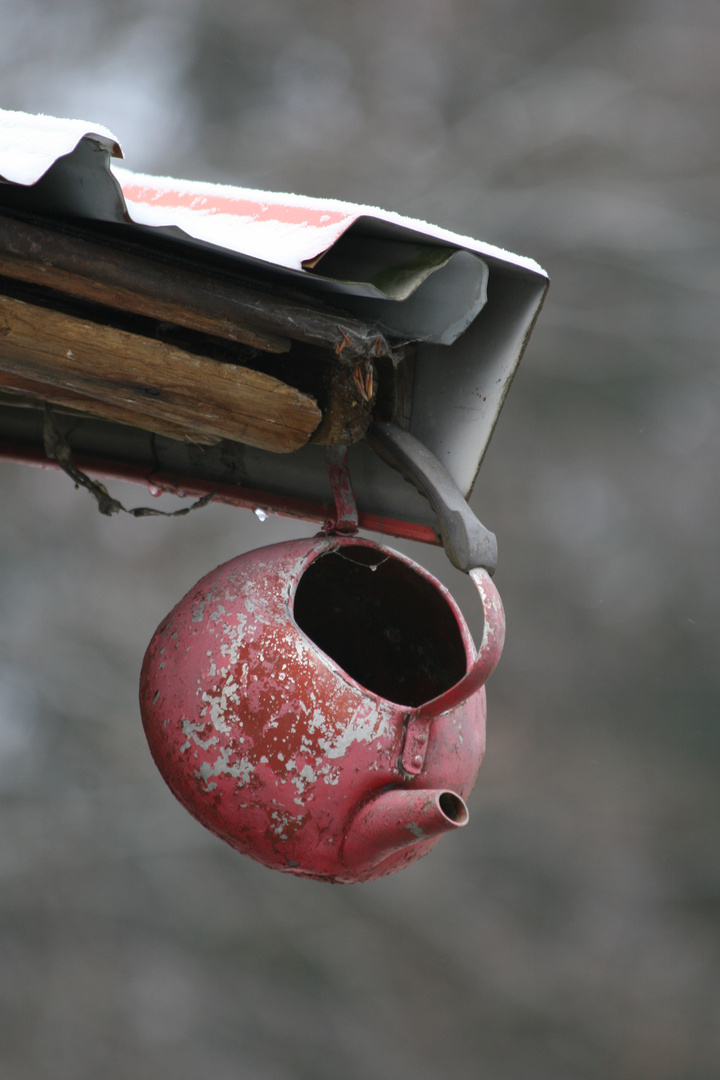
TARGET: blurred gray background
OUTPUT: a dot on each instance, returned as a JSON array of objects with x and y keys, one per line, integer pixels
[{"x": 572, "y": 930}]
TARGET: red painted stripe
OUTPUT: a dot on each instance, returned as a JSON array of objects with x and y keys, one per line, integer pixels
[
  {"x": 224, "y": 204},
  {"x": 229, "y": 494}
]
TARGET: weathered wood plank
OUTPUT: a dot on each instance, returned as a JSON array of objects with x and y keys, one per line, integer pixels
[
  {"x": 95, "y": 270},
  {"x": 154, "y": 379},
  {"x": 127, "y": 277},
  {"x": 34, "y": 393}
]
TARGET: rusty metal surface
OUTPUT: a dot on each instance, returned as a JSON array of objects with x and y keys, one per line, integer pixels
[
  {"x": 344, "y": 517},
  {"x": 275, "y": 747}
]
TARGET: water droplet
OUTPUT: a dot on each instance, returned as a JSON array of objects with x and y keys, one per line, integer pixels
[{"x": 260, "y": 514}]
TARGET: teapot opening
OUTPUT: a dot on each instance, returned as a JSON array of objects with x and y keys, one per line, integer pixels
[
  {"x": 453, "y": 807},
  {"x": 384, "y": 623}
]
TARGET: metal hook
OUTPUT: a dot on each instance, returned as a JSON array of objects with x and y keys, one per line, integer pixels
[
  {"x": 468, "y": 544},
  {"x": 345, "y": 519}
]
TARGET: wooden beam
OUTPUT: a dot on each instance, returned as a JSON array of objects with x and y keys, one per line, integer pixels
[
  {"x": 34, "y": 394},
  {"x": 109, "y": 269},
  {"x": 152, "y": 379}
]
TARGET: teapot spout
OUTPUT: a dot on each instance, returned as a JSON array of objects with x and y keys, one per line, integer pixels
[{"x": 400, "y": 818}]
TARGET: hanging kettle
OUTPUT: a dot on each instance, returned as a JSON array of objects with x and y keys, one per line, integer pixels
[{"x": 320, "y": 706}]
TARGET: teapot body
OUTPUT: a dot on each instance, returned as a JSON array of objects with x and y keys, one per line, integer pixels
[{"x": 269, "y": 701}]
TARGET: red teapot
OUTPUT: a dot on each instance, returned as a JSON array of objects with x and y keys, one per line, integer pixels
[{"x": 319, "y": 705}]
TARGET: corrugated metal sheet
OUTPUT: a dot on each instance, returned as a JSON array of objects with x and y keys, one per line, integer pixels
[{"x": 469, "y": 306}]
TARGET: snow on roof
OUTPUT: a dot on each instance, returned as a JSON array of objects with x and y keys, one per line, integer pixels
[
  {"x": 280, "y": 228},
  {"x": 30, "y": 144}
]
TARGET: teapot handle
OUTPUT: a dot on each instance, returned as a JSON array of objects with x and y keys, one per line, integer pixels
[
  {"x": 491, "y": 646},
  {"x": 493, "y": 638}
]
